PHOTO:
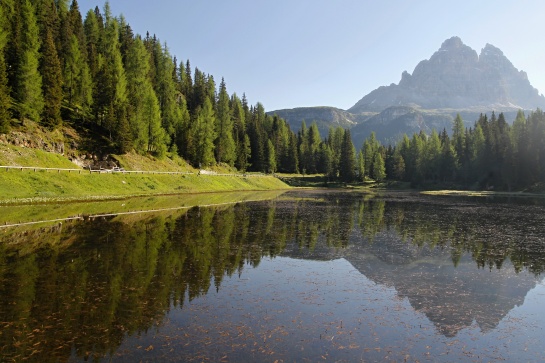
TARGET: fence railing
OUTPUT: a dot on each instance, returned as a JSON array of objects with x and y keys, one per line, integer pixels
[{"x": 117, "y": 171}]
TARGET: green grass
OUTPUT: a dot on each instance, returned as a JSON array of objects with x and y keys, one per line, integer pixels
[
  {"x": 19, "y": 156},
  {"x": 28, "y": 186}
]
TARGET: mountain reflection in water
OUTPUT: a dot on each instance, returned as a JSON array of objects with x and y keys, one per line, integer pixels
[{"x": 84, "y": 289}]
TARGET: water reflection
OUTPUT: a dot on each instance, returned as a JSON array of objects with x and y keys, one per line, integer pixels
[{"x": 79, "y": 289}]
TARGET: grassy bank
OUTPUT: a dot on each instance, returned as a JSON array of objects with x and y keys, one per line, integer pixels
[
  {"x": 35, "y": 186},
  {"x": 28, "y": 186}
]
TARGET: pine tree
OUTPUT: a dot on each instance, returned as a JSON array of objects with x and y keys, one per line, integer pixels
[
  {"x": 48, "y": 20},
  {"x": 5, "y": 99},
  {"x": 361, "y": 166},
  {"x": 431, "y": 156},
  {"x": 458, "y": 137},
  {"x": 152, "y": 113},
  {"x": 137, "y": 68},
  {"x": 271, "y": 158},
  {"x": 76, "y": 23},
  {"x": 112, "y": 82},
  {"x": 52, "y": 83},
  {"x": 28, "y": 85},
  {"x": 92, "y": 35},
  {"x": 166, "y": 93},
  {"x": 244, "y": 154},
  {"x": 398, "y": 165},
  {"x": 292, "y": 164},
  {"x": 258, "y": 138},
  {"x": 182, "y": 132},
  {"x": 370, "y": 148},
  {"x": 312, "y": 144},
  {"x": 72, "y": 71},
  {"x": 379, "y": 170},
  {"x": 204, "y": 135},
  {"x": 348, "y": 159},
  {"x": 477, "y": 154},
  {"x": 124, "y": 139},
  {"x": 327, "y": 162},
  {"x": 224, "y": 143},
  {"x": 449, "y": 159},
  {"x": 239, "y": 120},
  {"x": 187, "y": 85}
]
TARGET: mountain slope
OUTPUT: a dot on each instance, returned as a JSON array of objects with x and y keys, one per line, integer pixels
[{"x": 324, "y": 117}]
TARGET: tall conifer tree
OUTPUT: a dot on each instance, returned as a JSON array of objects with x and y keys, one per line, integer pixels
[
  {"x": 348, "y": 159},
  {"x": 5, "y": 99},
  {"x": 52, "y": 83},
  {"x": 204, "y": 135},
  {"x": 28, "y": 87},
  {"x": 224, "y": 143}
]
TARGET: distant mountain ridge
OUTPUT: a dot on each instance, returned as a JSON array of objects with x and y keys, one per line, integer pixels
[
  {"x": 324, "y": 117},
  {"x": 454, "y": 80}
]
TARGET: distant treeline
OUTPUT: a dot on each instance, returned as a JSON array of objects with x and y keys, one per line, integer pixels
[
  {"x": 55, "y": 66},
  {"x": 490, "y": 155}
]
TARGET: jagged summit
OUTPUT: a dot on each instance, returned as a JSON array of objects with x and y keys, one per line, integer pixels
[{"x": 456, "y": 77}]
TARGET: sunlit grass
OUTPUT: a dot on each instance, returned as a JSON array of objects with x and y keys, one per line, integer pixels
[{"x": 28, "y": 186}]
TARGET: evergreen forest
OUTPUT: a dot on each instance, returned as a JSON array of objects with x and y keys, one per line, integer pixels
[{"x": 60, "y": 67}]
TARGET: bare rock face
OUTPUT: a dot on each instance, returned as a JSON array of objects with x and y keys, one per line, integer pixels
[{"x": 456, "y": 77}]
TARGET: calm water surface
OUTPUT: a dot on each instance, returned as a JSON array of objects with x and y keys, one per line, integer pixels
[{"x": 305, "y": 276}]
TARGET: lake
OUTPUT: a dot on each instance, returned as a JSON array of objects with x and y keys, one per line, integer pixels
[{"x": 297, "y": 276}]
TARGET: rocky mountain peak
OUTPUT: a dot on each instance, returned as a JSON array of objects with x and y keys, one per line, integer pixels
[
  {"x": 456, "y": 77},
  {"x": 454, "y": 42}
]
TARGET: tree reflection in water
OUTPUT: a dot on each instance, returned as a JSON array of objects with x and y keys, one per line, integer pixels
[{"x": 89, "y": 285}]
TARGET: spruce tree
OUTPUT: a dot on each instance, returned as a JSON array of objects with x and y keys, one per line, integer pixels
[
  {"x": 167, "y": 94},
  {"x": 398, "y": 165},
  {"x": 28, "y": 85},
  {"x": 379, "y": 170},
  {"x": 52, "y": 83},
  {"x": 92, "y": 36},
  {"x": 458, "y": 138},
  {"x": 361, "y": 166},
  {"x": 137, "y": 71},
  {"x": 243, "y": 154},
  {"x": 76, "y": 23},
  {"x": 48, "y": 20},
  {"x": 156, "y": 134},
  {"x": 204, "y": 135},
  {"x": 112, "y": 81},
  {"x": 5, "y": 99},
  {"x": 327, "y": 162},
  {"x": 224, "y": 143},
  {"x": 271, "y": 158},
  {"x": 347, "y": 164},
  {"x": 72, "y": 71}
]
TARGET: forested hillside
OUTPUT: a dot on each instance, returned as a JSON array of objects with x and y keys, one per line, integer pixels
[{"x": 59, "y": 67}]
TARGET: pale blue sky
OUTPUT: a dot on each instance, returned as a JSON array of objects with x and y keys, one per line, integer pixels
[{"x": 295, "y": 53}]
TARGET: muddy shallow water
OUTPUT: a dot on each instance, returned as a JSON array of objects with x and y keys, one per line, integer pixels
[{"x": 305, "y": 276}]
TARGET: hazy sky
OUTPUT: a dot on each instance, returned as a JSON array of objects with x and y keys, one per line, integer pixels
[{"x": 295, "y": 53}]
